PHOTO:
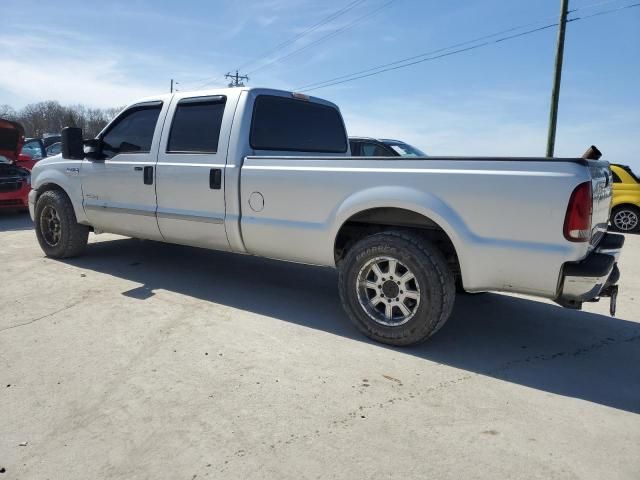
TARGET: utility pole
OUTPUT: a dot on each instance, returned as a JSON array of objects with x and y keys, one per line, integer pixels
[
  {"x": 171, "y": 89},
  {"x": 236, "y": 80},
  {"x": 557, "y": 75}
]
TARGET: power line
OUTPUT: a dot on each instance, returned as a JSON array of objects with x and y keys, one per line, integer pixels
[
  {"x": 432, "y": 52},
  {"x": 410, "y": 58},
  {"x": 383, "y": 68},
  {"x": 466, "y": 49},
  {"x": 311, "y": 29},
  {"x": 456, "y": 45},
  {"x": 605, "y": 12},
  {"x": 348, "y": 7},
  {"x": 325, "y": 37},
  {"x": 593, "y": 5},
  {"x": 306, "y": 32}
]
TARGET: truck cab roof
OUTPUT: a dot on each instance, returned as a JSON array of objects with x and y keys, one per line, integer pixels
[{"x": 233, "y": 91}]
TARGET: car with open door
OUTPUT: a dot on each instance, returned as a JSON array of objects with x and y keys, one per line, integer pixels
[{"x": 33, "y": 150}]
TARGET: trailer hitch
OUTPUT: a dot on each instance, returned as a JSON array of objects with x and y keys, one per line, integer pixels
[{"x": 611, "y": 291}]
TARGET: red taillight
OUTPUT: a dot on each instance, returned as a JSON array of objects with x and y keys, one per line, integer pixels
[{"x": 577, "y": 222}]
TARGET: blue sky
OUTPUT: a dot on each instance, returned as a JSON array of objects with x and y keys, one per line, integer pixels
[{"x": 489, "y": 101}]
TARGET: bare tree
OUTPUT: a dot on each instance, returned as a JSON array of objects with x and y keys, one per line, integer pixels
[
  {"x": 7, "y": 112},
  {"x": 49, "y": 117}
]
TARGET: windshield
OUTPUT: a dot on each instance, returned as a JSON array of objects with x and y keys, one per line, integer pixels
[
  {"x": 404, "y": 149},
  {"x": 54, "y": 149},
  {"x": 33, "y": 149}
]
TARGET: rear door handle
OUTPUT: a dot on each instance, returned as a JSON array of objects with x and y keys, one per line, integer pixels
[
  {"x": 215, "y": 178},
  {"x": 148, "y": 175}
]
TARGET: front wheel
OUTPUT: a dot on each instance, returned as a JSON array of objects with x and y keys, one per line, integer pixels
[
  {"x": 626, "y": 218},
  {"x": 58, "y": 232},
  {"x": 396, "y": 287}
]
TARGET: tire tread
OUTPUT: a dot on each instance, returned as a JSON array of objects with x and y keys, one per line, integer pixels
[
  {"x": 434, "y": 260},
  {"x": 76, "y": 236}
]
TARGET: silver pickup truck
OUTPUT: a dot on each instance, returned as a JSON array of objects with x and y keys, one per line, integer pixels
[{"x": 268, "y": 172}]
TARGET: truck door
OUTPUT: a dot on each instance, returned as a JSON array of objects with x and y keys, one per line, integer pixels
[
  {"x": 118, "y": 191},
  {"x": 191, "y": 170}
]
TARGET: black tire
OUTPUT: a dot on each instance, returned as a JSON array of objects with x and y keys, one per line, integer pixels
[
  {"x": 631, "y": 216},
  {"x": 58, "y": 232},
  {"x": 433, "y": 277}
]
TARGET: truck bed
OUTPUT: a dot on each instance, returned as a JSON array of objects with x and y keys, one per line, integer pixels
[{"x": 504, "y": 215}]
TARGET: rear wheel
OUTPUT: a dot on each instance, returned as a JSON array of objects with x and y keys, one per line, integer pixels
[
  {"x": 396, "y": 287},
  {"x": 57, "y": 230},
  {"x": 626, "y": 218}
]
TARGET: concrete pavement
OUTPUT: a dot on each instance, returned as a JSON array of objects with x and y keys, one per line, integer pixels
[{"x": 144, "y": 360}]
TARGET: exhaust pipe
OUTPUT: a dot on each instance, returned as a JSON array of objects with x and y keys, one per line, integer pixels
[{"x": 592, "y": 153}]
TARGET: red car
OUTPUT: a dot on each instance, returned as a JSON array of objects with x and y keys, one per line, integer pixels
[{"x": 15, "y": 175}]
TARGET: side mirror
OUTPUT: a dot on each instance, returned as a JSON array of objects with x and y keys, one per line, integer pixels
[
  {"x": 72, "y": 145},
  {"x": 94, "y": 149}
]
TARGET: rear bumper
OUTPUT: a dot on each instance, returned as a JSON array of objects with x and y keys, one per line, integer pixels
[{"x": 593, "y": 277}]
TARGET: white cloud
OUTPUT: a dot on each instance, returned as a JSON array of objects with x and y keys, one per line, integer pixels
[
  {"x": 73, "y": 68},
  {"x": 39, "y": 67},
  {"x": 94, "y": 83},
  {"x": 266, "y": 20}
]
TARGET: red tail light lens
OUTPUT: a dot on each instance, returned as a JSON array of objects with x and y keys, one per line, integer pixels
[{"x": 577, "y": 222}]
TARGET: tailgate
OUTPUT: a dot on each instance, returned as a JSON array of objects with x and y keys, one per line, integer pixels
[{"x": 601, "y": 186}]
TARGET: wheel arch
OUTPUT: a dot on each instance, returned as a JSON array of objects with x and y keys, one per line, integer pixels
[
  {"x": 46, "y": 187},
  {"x": 403, "y": 208},
  {"x": 50, "y": 184},
  {"x": 626, "y": 203}
]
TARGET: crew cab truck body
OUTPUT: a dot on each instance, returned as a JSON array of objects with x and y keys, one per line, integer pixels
[{"x": 268, "y": 172}]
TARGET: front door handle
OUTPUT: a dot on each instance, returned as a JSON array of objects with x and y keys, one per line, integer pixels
[
  {"x": 215, "y": 179},
  {"x": 148, "y": 175}
]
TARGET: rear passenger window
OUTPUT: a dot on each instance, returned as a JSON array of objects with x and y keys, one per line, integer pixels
[
  {"x": 196, "y": 125},
  {"x": 616, "y": 178},
  {"x": 288, "y": 124}
]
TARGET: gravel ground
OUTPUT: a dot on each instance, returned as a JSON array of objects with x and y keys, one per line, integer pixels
[{"x": 142, "y": 360}]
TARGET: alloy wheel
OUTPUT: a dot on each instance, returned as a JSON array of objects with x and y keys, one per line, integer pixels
[
  {"x": 388, "y": 291},
  {"x": 625, "y": 220},
  {"x": 50, "y": 225}
]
